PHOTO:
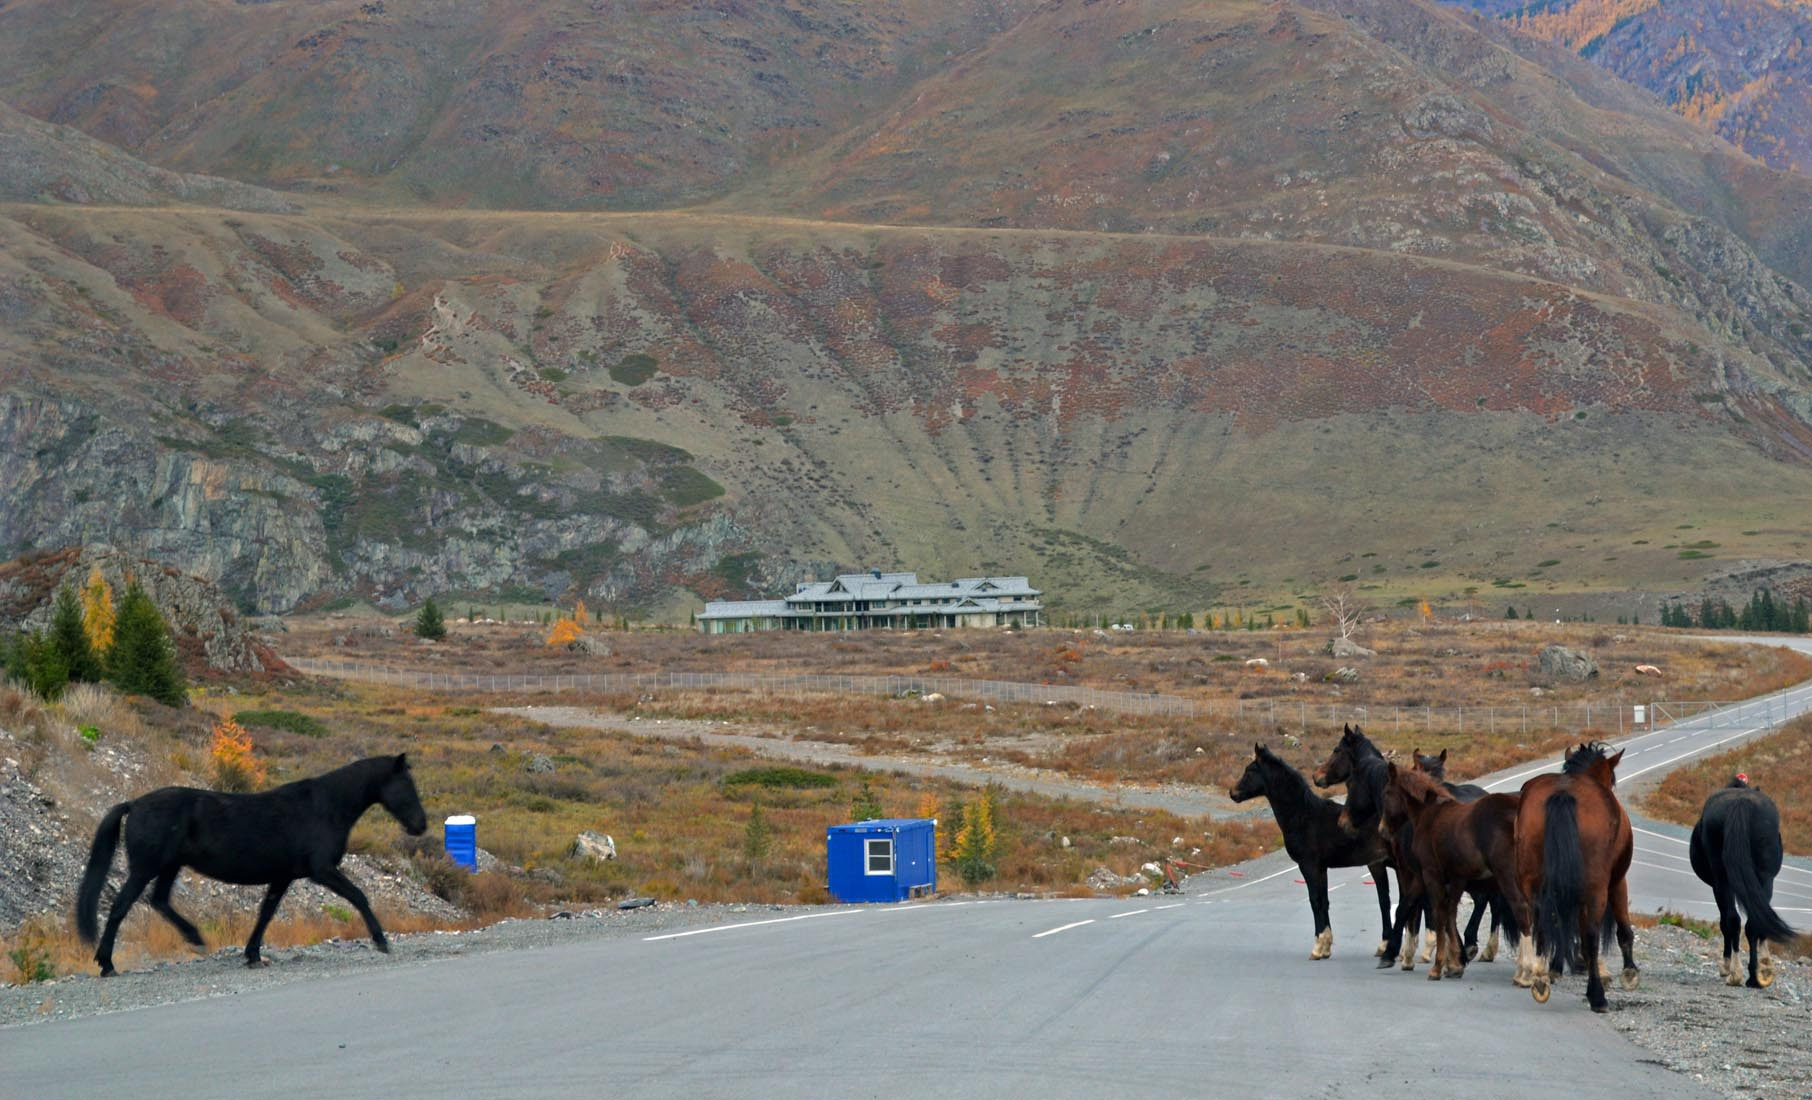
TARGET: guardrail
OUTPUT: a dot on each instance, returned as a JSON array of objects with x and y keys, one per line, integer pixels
[{"x": 1615, "y": 716}]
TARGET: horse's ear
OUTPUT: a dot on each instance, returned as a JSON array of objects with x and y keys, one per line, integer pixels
[
  {"x": 402, "y": 761},
  {"x": 1443, "y": 756},
  {"x": 1392, "y": 773},
  {"x": 1257, "y": 749},
  {"x": 1615, "y": 760}
]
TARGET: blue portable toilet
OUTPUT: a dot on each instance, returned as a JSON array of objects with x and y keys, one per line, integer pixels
[
  {"x": 462, "y": 840},
  {"x": 887, "y": 859}
]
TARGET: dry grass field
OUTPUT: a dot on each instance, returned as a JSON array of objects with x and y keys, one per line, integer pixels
[
  {"x": 1780, "y": 764},
  {"x": 680, "y": 809}
]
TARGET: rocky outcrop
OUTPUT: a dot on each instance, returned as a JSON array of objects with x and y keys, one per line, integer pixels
[{"x": 204, "y": 624}]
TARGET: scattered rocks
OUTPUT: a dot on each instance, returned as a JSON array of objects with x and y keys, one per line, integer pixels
[
  {"x": 595, "y": 846},
  {"x": 1558, "y": 662},
  {"x": 1346, "y": 649}
]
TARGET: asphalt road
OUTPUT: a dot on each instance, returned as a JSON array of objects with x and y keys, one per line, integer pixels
[{"x": 1207, "y": 994}]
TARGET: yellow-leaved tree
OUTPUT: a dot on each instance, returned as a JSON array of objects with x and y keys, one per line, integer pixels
[
  {"x": 565, "y": 632},
  {"x": 974, "y": 850},
  {"x": 97, "y": 611},
  {"x": 236, "y": 766}
]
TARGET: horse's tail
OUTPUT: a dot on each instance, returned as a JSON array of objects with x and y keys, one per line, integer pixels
[
  {"x": 100, "y": 859},
  {"x": 1742, "y": 831},
  {"x": 1562, "y": 878}
]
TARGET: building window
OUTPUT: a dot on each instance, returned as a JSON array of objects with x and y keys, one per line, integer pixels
[{"x": 880, "y": 855}]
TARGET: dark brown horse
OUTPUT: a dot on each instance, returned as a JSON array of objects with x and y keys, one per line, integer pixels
[
  {"x": 1357, "y": 762},
  {"x": 1457, "y": 845},
  {"x": 1573, "y": 848}
]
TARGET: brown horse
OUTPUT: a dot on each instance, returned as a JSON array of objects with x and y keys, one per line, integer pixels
[
  {"x": 1573, "y": 848},
  {"x": 1457, "y": 846}
]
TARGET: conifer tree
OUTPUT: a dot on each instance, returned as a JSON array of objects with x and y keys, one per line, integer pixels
[
  {"x": 142, "y": 660},
  {"x": 69, "y": 637},
  {"x": 429, "y": 623}
]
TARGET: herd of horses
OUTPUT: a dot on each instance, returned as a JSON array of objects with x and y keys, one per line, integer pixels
[{"x": 1547, "y": 864}]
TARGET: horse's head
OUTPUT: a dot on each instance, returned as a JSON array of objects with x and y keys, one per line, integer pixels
[
  {"x": 399, "y": 797},
  {"x": 1252, "y": 782},
  {"x": 1339, "y": 765},
  {"x": 1407, "y": 790},
  {"x": 1594, "y": 759},
  {"x": 1433, "y": 765}
]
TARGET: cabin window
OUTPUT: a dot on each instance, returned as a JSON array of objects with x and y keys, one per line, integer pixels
[{"x": 880, "y": 855}]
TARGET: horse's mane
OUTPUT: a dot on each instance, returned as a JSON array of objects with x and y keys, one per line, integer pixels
[
  {"x": 1581, "y": 759},
  {"x": 1276, "y": 765},
  {"x": 1417, "y": 782}
]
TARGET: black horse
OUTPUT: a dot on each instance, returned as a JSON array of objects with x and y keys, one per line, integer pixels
[
  {"x": 1436, "y": 765},
  {"x": 296, "y": 831},
  {"x": 1358, "y": 763},
  {"x": 1736, "y": 850},
  {"x": 1314, "y": 837}
]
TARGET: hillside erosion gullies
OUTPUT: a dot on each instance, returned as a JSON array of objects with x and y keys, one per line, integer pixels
[
  {"x": 650, "y": 402},
  {"x": 1152, "y": 301}
]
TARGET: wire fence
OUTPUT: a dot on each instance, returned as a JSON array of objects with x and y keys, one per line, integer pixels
[{"x": 1606, "y": 716}]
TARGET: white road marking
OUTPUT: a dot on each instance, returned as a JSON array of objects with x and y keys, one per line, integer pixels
[
  {"x": 1256, "y": 881},
  {"x": 749, "y": 924},
  {"x": 1173, "y": 905},
  {"x": 1061, "y": 928},
  {"x": 1128, "y": 913}
]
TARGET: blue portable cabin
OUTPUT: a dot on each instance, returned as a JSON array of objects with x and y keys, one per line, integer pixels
[
  {"x": 886, "y": 859},
  {"x": 462, "y": 840}
]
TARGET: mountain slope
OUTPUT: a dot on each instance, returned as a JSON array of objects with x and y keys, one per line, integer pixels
[
  {"x": 1160, "y": 303},
  {"x": 1738, "y": 67}
]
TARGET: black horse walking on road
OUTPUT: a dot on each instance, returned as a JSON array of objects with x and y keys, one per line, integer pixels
[
  {"x": 1314, "y": 837},
  {"x": 296, "y": 831},
  {"x": 1736, "y": 850}
]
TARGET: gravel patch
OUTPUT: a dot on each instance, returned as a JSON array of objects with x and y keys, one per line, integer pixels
[{"x": 1740, "y": 1042}]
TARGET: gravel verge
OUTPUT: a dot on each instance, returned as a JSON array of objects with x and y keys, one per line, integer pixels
[{"x": 223, "y": 973}]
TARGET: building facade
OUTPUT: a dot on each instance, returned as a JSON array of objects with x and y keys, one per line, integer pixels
[{"x": 882, "y": 601}]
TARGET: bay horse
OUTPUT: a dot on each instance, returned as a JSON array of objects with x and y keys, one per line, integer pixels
[
  {"x": 1457, "y": 845},
  {"x": 298, "y": 830},
  {"x": 1358, "y": 763},
  {"x": 1573, "y": 849},
  {"x": 1736, "y": 850},
  {"x": 1314, "y": 837}
]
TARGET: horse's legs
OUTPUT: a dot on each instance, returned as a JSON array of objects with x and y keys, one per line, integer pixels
[
  {"x": 1381, "y": 878},
  {"x": 1316, "y": 878},
  {"x": 1412, "y": 931},
  {"x": 1626, "y": 934},
  {"x": 1764, "y": 977},
  {"x": 1480, "y": 904},
  {"x": 1731, "y": 923},
  {"x": 134, "y": 886},
  {"x": 273, "y": 897},
  {"x": 343, "y": 886},
  {"x": 1440, "y": 898},
  {"x": 1589, "y": 936},
  {"x": 160, "y": 901}
]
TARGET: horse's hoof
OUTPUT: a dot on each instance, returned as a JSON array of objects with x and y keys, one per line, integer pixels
[
  {"x": 1386, "y": 962},
  {"x": 1383, "y": 947},
  {"x": 1764, "y": 972},
  {"x": 1602, "y": 1007},
  {"x": 257, "y": 963},
  {"x": 1632, "y": 978},
  {"x": 1434, "y": 975},
  {"x": 1456, "y": 972},
  {"x": 1472, "y": 951},
  {"x": 1734, "y": 978},
  {"x": 1520, "y": 982},
  {"x": 1541, "y": 990},
  {"x": 108, "y": 971},
  {"x": 382, "y": 946},
  {"x": 1489, "y": 954}
]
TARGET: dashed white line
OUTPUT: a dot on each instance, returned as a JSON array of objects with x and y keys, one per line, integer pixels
[
  {"x": 1172, "y": 905},
  {"x": 1061, "y": 928},
  {"x": 1128, "y": 913},
  {"x": 749, "y": 924}
]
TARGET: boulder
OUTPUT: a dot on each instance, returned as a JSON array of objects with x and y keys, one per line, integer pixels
[
  {"x": 1561, "y": 663},
  {"x": 539, "y": 764},
  {"x": 1346, "y": 648},
  {"x": 595, "y": 846}
]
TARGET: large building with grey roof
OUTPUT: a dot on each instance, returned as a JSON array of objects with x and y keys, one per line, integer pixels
[{"x": 882, "y": 601}]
